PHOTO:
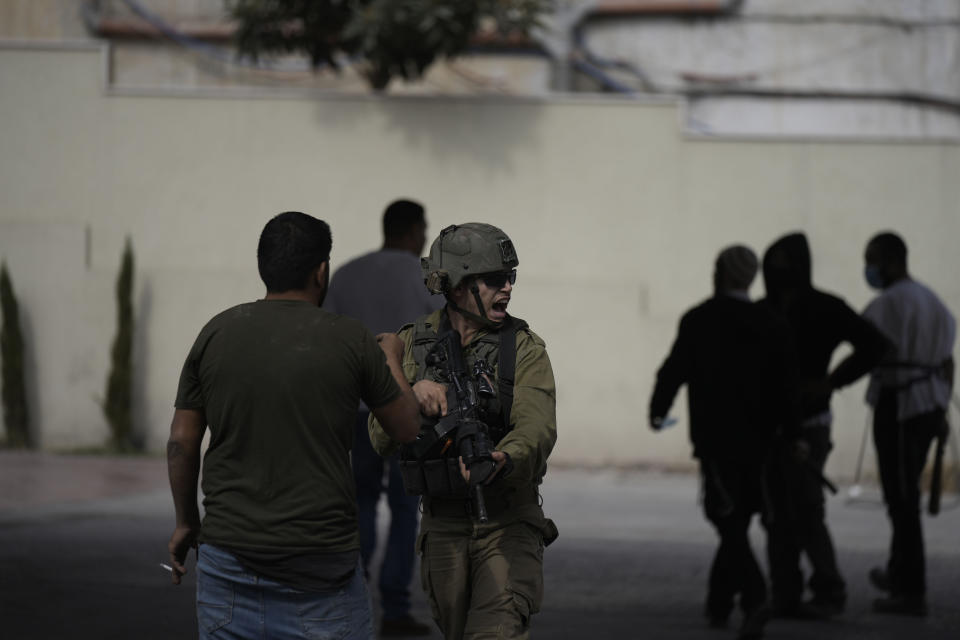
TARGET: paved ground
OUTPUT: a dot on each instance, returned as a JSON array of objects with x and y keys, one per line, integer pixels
[{"x": 81, "y": 539}]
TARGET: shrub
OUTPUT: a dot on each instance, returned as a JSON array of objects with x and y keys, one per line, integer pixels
[
  {"x": 15, "y": 414},
  {"x": 117, "y": 401}
]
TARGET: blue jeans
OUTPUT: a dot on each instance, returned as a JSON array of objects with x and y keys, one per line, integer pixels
[
  {"x": 400, "y": 553},
  {"x": 233, "y": 603}
]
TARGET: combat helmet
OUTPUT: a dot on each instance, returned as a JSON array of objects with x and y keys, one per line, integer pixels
[{"x": 467, "y": 250}]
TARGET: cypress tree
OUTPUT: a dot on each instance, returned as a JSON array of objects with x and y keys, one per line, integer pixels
[
  {"x": 15, "y": 414},
  {"x": 117, "y": 402}
]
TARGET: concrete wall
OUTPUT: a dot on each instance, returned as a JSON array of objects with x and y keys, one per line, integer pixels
[
  {"x": 615, "y": 214},
  {"x": 851, "y": 47},
  {"x": 35, "y": 19}
]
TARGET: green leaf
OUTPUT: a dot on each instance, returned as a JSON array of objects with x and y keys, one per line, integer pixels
[{"x": 394, "y": 38}]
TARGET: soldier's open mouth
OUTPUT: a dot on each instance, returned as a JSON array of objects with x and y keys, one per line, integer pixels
[{"x": 500, "y": 307}]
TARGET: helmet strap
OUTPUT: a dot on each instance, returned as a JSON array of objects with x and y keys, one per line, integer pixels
[{"x": 482, "y": 318}]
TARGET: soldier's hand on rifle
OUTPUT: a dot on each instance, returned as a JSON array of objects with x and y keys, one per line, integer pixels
[
  {"x": 498, "y": 456},
  {"x": 432, "y": 397}
]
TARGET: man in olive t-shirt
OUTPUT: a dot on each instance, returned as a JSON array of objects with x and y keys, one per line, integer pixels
[{"x": 278, "y": 382}]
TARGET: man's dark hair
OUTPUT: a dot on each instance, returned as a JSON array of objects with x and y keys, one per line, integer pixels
[
  {"x": 891, "y": 248},
  {"x": 400, "y": 217},
  {"x": 292, "y": 245}
]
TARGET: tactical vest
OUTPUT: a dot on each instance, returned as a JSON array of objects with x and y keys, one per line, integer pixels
[{"x": 493, "y": 353}]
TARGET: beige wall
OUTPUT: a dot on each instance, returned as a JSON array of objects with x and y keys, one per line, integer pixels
[
  {"x": 615, "y": 214},
  {"x": 34, "y": 19}
]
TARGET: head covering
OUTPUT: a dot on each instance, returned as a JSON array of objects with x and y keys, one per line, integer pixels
[
  {"x": 787, "y": 265},
  {"x": 738, "y": 266},
  {"x": 467, "y": 250}
]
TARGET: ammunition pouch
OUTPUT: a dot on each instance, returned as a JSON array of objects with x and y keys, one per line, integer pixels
[
  {"x": 439, "y": 477},
  {"x": 496, "y": 503},
  {"x": 428, "y": 470},
  {"x": 427, "y": 467}
]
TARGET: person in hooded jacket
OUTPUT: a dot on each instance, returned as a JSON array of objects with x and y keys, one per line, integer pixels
[{"x": 796, "y": 525}]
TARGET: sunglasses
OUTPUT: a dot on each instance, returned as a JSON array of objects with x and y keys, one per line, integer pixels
[{"x": 498, "y": 279}]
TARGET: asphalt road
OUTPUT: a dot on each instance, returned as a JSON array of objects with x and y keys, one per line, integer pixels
[{"x": 631, "y": 560}]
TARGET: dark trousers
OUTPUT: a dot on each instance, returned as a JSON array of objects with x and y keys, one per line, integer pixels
[
  {"x": 797, "y": 524},
  {"x": 732, "y": 493},
  {"x": 399, "y": 555},
  {"x": 485, "y": 584},
  {"x": 902, "y": 449}
]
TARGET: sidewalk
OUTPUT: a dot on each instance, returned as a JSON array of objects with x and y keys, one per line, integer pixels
[
  {"x": 37, "y": 482},
  {"x": 81, "y": 539}
]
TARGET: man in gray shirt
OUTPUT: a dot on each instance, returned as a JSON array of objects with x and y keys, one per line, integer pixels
[{"x": 384, "y": 290}]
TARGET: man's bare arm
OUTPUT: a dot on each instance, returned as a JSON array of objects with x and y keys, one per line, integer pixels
[
  {"x": 183, "y": 467},
  {"x": 400, "y": 418}
]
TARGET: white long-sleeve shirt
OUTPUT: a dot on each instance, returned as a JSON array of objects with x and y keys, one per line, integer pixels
[{"x": 922, "y": 332}]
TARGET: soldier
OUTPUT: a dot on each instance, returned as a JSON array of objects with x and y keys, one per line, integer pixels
[{"x": 484, "y": 579}]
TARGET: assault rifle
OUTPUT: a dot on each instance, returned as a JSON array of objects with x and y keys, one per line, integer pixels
[{"x": 461, "y": 428}]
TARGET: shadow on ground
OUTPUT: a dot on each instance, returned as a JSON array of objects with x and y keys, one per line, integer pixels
[{"x": 631, "y": 562}]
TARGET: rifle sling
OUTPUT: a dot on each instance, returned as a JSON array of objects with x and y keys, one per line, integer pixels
[
  {"x": 507, "y": 368},
  {"x": 507, "y": 358}
]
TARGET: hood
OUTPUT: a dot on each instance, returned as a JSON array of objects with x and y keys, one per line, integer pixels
[{"x": 786, "y": 265}]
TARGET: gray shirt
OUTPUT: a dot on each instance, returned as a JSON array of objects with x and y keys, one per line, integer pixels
[
  {"x": 922, "y": 331},
  {"x": 383, "y": 289}
]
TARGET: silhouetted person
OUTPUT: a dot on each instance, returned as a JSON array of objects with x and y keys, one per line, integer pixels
[
  {"x": 910, "y": 392},
  {"x": 384, "y": 290},
  {"x": 735, "y": 359},
  {"x": 820, "y": 322}
]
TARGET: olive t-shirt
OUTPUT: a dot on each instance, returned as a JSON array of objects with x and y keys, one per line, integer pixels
[{"x": 279, "y": 382}]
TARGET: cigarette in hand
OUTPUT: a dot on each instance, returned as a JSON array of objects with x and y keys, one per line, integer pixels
[{"x": 163, "y": 565}]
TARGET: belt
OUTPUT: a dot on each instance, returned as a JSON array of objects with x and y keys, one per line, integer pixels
[{"x": 496, "y": 503}]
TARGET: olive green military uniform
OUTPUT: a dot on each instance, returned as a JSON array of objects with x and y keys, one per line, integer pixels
[{"x": 486, "y": 580}]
